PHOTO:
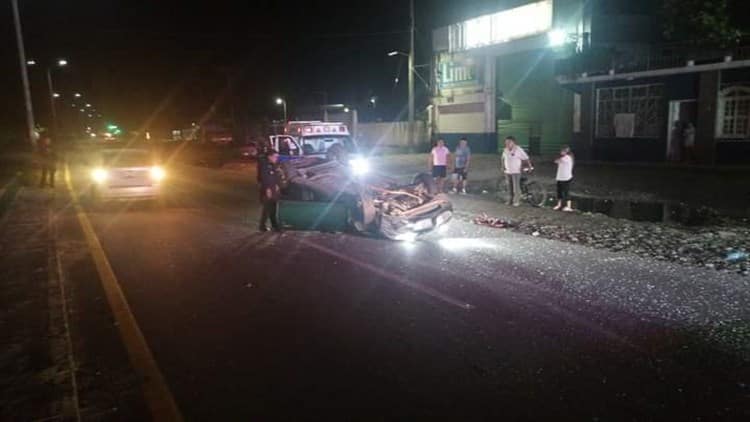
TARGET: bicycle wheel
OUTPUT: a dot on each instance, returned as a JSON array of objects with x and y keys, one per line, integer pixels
[
  {"x": 536, "y": 194},
  {"x": 500, "y": 188}
]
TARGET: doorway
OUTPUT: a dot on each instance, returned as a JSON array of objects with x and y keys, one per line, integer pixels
[{"x": 682, "y": 114}]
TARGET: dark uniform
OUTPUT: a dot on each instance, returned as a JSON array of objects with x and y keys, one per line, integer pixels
[
  {"x": 270, "y": 190},
  {"x": 48, "y": 162}
]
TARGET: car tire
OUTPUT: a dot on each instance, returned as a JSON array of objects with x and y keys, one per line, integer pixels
[{"x": 355, "y": 221}]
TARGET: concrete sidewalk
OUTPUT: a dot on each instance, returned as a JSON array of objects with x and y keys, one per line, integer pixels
[
  {"x": 724, "y": 189},
  {"x": 35, "y": 366},
  {"x": 61, "y": 357}
]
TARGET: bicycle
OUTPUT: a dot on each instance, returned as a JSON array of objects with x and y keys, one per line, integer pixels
[{"x": 532, "y": 192}]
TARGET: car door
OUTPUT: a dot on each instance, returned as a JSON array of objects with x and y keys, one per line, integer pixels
[
  {"x": 299, "y": 209},
  {"x": 287, "y": 147}
]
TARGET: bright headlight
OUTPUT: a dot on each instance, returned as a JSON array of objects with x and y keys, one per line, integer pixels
[
  {"x": 359, "y": 166},
  {"x": 407, "y": 237},
  {"x": 157, "y": 173},
  {"x": 99, "y": 175}
]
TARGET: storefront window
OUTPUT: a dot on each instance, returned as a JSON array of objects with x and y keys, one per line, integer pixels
[
  {"x": 734, "y": 113},
  {"x": 629, "y": 111}
]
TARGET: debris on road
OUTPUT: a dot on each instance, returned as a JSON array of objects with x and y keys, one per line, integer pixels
[{"x": 498, "y": 223}]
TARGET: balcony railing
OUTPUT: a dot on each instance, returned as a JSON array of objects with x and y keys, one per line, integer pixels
[{"x": 602, "y": 60}]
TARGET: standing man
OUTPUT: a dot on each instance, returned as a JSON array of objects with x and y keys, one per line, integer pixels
[
  {"x": 48, "y": 162},
  {"x": 513, "y": 160},
  {"x": 439, "y": 157},
  {"x": 270, "y": 190},
  {"x": 461, "y": 171}
]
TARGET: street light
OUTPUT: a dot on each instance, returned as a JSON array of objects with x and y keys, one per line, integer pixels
[
  {"x": 282, "y": 102},
  {"x": 52, "y": 94},
  {"x": 411, "y": 70},
  {"x": 77, "y": 95},
  {"x": 557, "y": 37},
  {"x": 56, "y": 95}
]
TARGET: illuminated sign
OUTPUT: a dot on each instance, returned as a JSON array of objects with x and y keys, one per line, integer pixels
[
  {"x": 497, "y": 28},
  {"x": 459, "y": 71}
]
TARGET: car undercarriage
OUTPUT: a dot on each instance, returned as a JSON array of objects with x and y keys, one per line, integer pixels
[{"x": 376, "y": 204}]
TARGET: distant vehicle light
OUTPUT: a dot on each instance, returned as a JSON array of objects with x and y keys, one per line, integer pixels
[
  {"x": 157, "y": 173},
  {"x": 99, "y": 175},
  {"x": 359, "y": 166}
]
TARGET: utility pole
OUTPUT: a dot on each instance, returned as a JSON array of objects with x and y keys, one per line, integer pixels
[
  {"x": 325, "y": 104},
  {"x": 52, "y": 103},
  {"x": 24, "y": 74},
  {"x": 411, "y": 75}
]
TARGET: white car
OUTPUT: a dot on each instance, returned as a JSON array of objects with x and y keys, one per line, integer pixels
[{"x": 127, "y": 173}]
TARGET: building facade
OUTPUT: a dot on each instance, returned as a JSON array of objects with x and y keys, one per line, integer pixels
[
  {"x": 495, "y": 75},
  {"x": 653, "y": 108},
  {"x": 637, "y": 99}
]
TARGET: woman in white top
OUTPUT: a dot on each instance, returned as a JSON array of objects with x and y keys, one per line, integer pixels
[{"x": 564, "y": 178}]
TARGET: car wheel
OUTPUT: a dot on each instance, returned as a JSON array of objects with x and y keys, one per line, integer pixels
[{"x": 354, "y": 219}]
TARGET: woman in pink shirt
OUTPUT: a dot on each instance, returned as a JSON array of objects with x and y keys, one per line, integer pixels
[{"x": 439, "y": 157}]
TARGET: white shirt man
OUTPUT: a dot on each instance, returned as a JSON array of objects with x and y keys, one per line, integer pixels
[{"x": 512, "y": 161}]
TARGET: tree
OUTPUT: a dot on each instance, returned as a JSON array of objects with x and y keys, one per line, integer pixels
[{"x": 705, "y": 23}]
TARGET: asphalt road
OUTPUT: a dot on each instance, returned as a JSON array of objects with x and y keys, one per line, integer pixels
[{"x": 472, "y": 324}]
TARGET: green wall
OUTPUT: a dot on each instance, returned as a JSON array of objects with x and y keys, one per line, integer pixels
[{"x": 540, "y": 106}]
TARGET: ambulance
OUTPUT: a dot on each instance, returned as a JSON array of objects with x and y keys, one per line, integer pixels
[{"x": 331, "y": 140}]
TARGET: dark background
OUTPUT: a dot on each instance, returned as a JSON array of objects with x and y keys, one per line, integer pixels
[{"x": 164, "y": 64}]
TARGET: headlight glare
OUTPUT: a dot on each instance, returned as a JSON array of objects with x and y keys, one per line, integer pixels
[
  {"x": 359, "y": 166},
  {"x": 157, "y": 173},
  {"x": 99, "y": 175}
]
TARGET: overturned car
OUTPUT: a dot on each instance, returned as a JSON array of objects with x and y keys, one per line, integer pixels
[{"x": 331, "y": 195}]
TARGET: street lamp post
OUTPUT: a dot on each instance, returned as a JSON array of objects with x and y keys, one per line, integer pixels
[
  {"x": 24, "y": 74},
  {"x": 411, "y": 71},
  {"x": 52, "y": 94},
  {"x": 282, "y": 102},
  {"x": 411, "y": 74}
]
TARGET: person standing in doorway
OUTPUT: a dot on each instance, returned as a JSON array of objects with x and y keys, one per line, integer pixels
[
  {"x": 689, "y": 138},
  {"x": 439, "y": 157},
  {"x": 48, "y": 162},
  {"x": 270, "y": 190},
  {"x": 564, "y": 179},
  {"x": 461, "y": 171},
  {"x": 513, "y": 160}
]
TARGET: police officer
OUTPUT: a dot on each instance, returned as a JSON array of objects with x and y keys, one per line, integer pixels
[
  {"x": 270, "y": 190},
  {"x": 48, "y": 162}
]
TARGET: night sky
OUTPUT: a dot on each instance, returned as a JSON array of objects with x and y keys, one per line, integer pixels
[{"x": 163, "y": 64}]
